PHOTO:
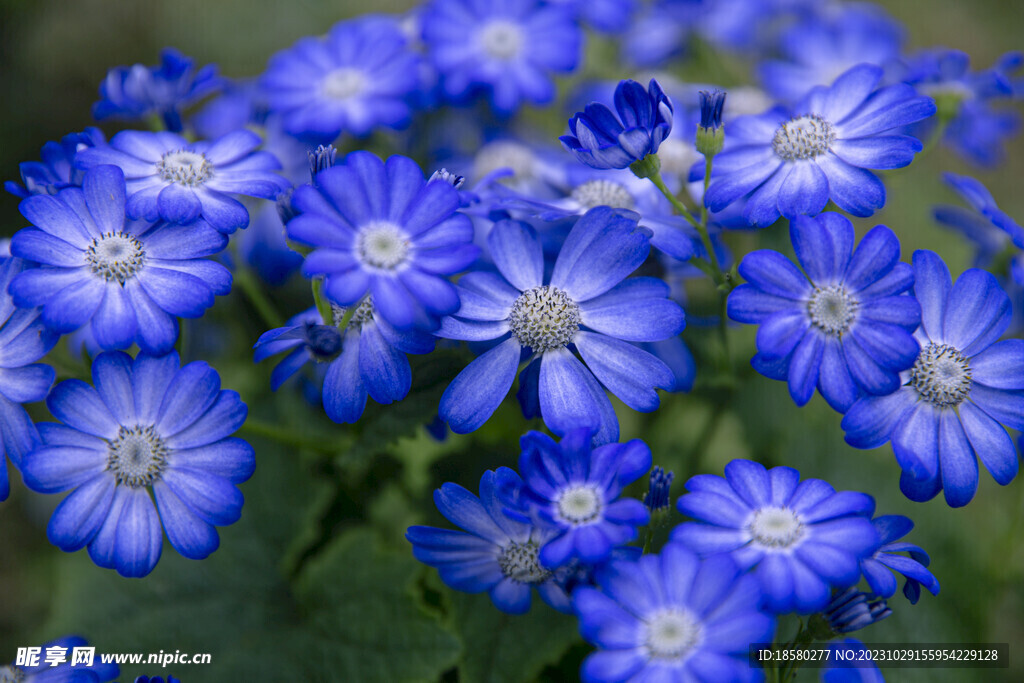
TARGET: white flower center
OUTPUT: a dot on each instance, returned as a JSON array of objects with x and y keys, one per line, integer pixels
[
  {"x": 137, "y": 456},
  {"x": 344, "y": 83},
  {"x": 774, "y": 527},
  {"x": 544, "y": 318},
  {"x": 803, "y": 137},
  {"x": 11, "y": 674},
  {"x": 504, "y": 154},
  {"x": 579, "y": 504},
  {"x": 518, "y": 561},
  {"x": 603, "y": 193},
  {"x": 382, "y": 245},
  {"x": 115, "y": 256},
  {"x": 190, "y": 169},
  {"x": 832, "y": 309},
  {"x": 941, "y": 375},
  {"x": 672, "y": 633},
  {"x": 502, "y": 39},
  {"x": 363, "y": 314}
]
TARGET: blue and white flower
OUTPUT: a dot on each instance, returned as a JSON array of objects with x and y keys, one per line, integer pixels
[
  {"x": 963, "y": 388},
  {"x": 383, "y": 230},
  {"x": 844, "y": 326},
  {"x": 128, "y": 279},
  {"x": 671, "y": 617},
  {"x": 801, "y": 539},
  {"x": 179, "y": 181},
  {"x": 56, "y": 169},
  {"x": 150, "y": 430},
  {"x": 586, "y": 305},
  {"x": 574, "y": 488},
  {"x": 878, "y": 569},
  {"x": 497, "y": 553},
  {"x": 789, "y": 162}
]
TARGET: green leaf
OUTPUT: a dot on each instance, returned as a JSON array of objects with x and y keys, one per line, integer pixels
[{"x": 508, "y": 648}]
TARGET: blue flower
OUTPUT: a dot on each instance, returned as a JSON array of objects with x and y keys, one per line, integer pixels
[
  {"x": 148, "y": 430},
  {"x": 367, "y": 359},
  {"x": 574, "y": 489},
  {"x": 585, "y": 305},
  {"x": 819, "y": 48},
  {"x": 360, "y": 76},
  {"x": 849, "y": 662},
  {"x": 844, "y": 327},
  {"x": 56, "y": 170},
  {"x": 711, "y": 105},
  {"x": 23, "y": 340},
  {"x": 851, "y": 610},
  {"x": 671, "y": 617},
  {"x": 128, "y": 278},
  {"x": 607, "y": 16},
  {"x": 877, "y": 568},
  {"x": 601, "y": 140},
  {"x": 792, "y": 161},
  {"x": 800, "y": 538},
  {"x": 499, "y": 554},
  {"x": 138, "y": 91},
  {"x": 976, "y": 130},
  {"x": 963, "y": 387},
  {"x": 170, "y": 178},
  {"x": 65, "y": 672},
  {"x": 506, "y": 51},
  {"x": 383, "y": 230},
  {"x": 988, "y": 226}
]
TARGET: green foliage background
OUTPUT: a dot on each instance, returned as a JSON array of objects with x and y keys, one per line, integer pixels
[{"x": 316, "y": 582}]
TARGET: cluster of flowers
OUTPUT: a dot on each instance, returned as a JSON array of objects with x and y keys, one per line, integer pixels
[{"x": 564, "y": 270}]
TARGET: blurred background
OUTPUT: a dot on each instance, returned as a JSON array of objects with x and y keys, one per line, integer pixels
[{"x": 53, "y": 55}]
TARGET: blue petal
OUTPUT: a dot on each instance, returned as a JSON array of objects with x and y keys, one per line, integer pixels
[
  {"x": 751, "y": 482},
  {"x": 991, "y": 442},
  {"x": 40, "y": 247},
  {"x": 26, "y": 384},
  {"x": 957, "y": 461},
  {"x": 629, "y": 372},
  {"x": 570, "y": 398},
  {"x": 1006, "y": 407},
  {"x": 875, "y": 256},
  {"x": 216, "y": 500},
  {"x": 604, "y": 247},
  {"x": 223, "y": 213},
  {"x": 190, "y": 394},
  {"x": 79, "y": 516},
  {"x": 517, "y": 253},
  {"x": 190, "y": 535},
  {"x": 804, "y": 191},
  {"x": 748, "y": 304},
  {"x": 774, "y": 274},
  {"x": 630, "y": 311},
  {"x": 157, "y": 331},
  {"x": 881, "y": 152},
  {"x": 230, "y": 458},
  {"x": 223, "y": 418},
  {"x": 78, "y": 405},
  {"x": 804, "y": 368},
  {"x": 869, "y": 422},
  {"x": 479, "y": 389},
  {"x": 853, "y": 189},
  {"x": 1000, "y": 366},
  {"x": 823, "y": 245},
  {"x": 344, "y": 394},
  {"x": 17, "y": 432},
  {"x": 385, "y": 370},
  {"x": 780, "y": 333},
  {"x": 178, "y": 204},
  {"x": 139, "y": 536},
  {"x": 932, "y": 284},
  {"x": 178, "y": 293},
  {"x": 114, "y": 325},
  {"x": 977, "y": 312},
  {"x": 834, "y": 381},
  {"x": 73, "y": 306},
  {"x": 112, "y": 376},
  {"x": 151, "y": 375},
  {"x": 915, "y": 441},
  {"x": 849, "y": 91}
]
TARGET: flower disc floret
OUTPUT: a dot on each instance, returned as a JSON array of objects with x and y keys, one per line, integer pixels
[
  {"x": 344, "y": 84},
  {"x": 603, "y": 193},
  {"x": 671, "y": 634},
  {"x": 544, "y": 318},
  {"x": 382, "y": 244},
  {"x": 137, "y": 456},
  {"x": 776, "y": 528},
  {"x": 941, "y": 375},
  {"x": 519, "y": 562},
  {"x": 832, "y": 309},
  {"x": 186, "y": 168},
  {"x": 803, "y": 137},
  {"x": 502, "y": 39},
  {"x": 115, "y": 256},
  {"x": 579, "y": 504}
]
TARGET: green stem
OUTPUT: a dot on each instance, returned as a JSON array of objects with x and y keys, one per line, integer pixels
[
  {"x": 285, "y": 436},
  {"x": 323, "y": 306},
  {"x": 254, "y": 293}
]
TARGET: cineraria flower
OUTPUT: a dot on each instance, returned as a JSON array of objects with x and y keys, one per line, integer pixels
[
  {"x": 66, "y": 671},
  {"x": 963, "y": 387},
  {"x": 801, "y": 539},
  {"x": 585, "y": 305},
  {"x": 366, "y": 359},
  {"x": 607, "y": 16},
  {"x": 877, "y": 568},
  {"x": 56, "y": 170},
  {"x": 601, "y": 140},
  {"x": 574, "y": 489},
  {"x": 499, "y": 554},
  {"x": 849, "y": 661},
  {"x": 851, "y": 610},
  {"x": 710, "y": 136},
  {"x": 360, "y": 76},
  {"x": 23, "y": 341},
  {"x": 844, "y": 327},
  {"x": 976, "y": 130},
  {"x": 148, "y": 430},
  {"x": 506, "y": 50},
  {"x": 170, "y": 178},
  {"x": 657, "y": 497},
  {"x": 792, "y": 161},
  {"x": 383, "y": 230},
  {"x": 138, "y": 91},
  {"x": 819, "y": 48},
  {"x": 129, "y": 279},
  {"x": 988, "y": 226},
  {"x": 671, "y": 617}
]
